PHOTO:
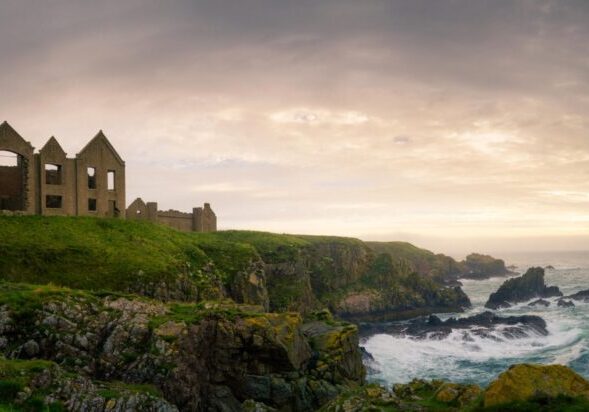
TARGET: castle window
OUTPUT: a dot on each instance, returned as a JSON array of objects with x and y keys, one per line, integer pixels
[
  {"x": 91, "y": 178},
  {"x": 8, "y": 159},
  {"x": 52, "y": 174},
  {"x": 53, "y": 202},
  {"x": 92, "y": 205},
  {"x": 111, "y": 179}
]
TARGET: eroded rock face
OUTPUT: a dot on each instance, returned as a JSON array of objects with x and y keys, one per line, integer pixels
[
  {"x": 525, "y": 381},
  {"x": 526, "y": 287},
  {"x": 202, "y": 357}
]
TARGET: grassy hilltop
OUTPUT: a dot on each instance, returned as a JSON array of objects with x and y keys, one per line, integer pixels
[{"x": 278, "y": 271}]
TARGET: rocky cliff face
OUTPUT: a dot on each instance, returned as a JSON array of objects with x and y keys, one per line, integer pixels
[
  {"x": 356, "y": 284},
  {"x": 198, "y": 357}
]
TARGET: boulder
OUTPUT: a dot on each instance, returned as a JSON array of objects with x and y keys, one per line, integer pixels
[
  {"x": 454, "y": 393},
  {"x": 565, "y": 303},
  {"x": 528, "y": 286},
  {"x": 582, "y": 295},
  {"x": 539, "y": 302},
  {"x": 526, "y": 382}
]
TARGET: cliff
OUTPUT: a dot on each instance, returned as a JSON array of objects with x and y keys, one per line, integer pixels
[
  {"x": 207, "y": 356},
  {"x": 439, "y": 267},
  {"x": 278, "y": 272}
]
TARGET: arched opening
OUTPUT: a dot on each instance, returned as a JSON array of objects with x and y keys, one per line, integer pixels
[{"x": 12, "y": 181}]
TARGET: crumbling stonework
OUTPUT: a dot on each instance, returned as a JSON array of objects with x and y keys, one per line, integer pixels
[
  {"x": 202, "y": 219},
  {"x": 91, "y": 184},
  {"x": 49, "y": 183}
]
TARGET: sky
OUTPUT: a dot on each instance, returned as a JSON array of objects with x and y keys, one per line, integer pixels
[{"x": 459, "y": 125}]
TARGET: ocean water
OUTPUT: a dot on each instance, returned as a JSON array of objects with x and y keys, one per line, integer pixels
[{"x": 479, "y": 360}]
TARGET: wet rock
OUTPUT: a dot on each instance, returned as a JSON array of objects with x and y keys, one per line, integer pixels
[
  {"x": 483, "y": 325},
  {"x": 582, "y": 296},
  {"x": 565, "y": 303},
  {"x": 539, "y": 302},
  {"x": 525, "y": 381},
  {"x": 522, "y": 288}
]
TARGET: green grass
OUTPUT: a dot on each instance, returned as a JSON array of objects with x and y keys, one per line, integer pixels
[{"x": 112, "y": 254}]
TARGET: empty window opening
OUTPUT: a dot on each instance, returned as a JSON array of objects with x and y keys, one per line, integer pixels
[
  {"x": 52, "y": 174},
  {"x": 113, "y": 210},
  {"x": 111, "y": 179},
  {"x": 53, "y": 202},
  {"x": 13, "y": 177},
  {"x": 92, "y": 205},
  {"x": 8, "y": 159},
  {"x": 91, "y": 178}
]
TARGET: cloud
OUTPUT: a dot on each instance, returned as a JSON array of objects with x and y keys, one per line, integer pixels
[{"x": 354, "y": 118}]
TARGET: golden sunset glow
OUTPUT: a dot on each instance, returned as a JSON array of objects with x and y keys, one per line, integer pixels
[{"x": 458, "y": 125}]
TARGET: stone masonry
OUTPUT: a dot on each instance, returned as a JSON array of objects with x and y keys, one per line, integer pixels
[
  {"x": 91, "y": 184},
  {"x": 202, "y": 219}
]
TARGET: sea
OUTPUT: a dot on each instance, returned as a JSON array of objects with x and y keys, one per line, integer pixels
[{"x": 399, "y": 359}]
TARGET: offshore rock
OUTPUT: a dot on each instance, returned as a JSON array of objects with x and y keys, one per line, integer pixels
[
  {"x": 582, "y": 296},
  {"x": 483, "y": 325},
  {"x": 528, "y": 286},
  {"x": 539, "y": 302},
  {"x": 562, "y": 303}
]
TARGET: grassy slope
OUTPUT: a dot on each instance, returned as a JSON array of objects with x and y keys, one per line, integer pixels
[
  {"x": 90, "y": 253},
  {"x": 115, "y": 255}
]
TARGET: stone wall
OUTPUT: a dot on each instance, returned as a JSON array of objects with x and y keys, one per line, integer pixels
[
  {"x": 177, "y": 220},
  {"x": 202, "y": 219},
  {"x": 49, "y": 183}
]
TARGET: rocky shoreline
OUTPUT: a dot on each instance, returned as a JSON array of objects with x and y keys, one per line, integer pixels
[{"x": 147, "y": 318}]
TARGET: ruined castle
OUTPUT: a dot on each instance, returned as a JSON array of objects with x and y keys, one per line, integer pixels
[{"x": 49, "y": 183}]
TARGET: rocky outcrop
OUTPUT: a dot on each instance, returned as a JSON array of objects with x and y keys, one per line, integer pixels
[
  {"x": 562, "y": 303},
  {"x": 25, "y": 384},
  {"x": 521, "y": 388},
  {"x": 539, "y": 302},
  {"x": 399, "y": 304},
  {"x": 525, "y": 382},
  {"x": 581, "y": 296},
  {"x": 528, "y": 286},
  {"x": 477, "y": 266},
  {"x": 345, "y": 276},
  {"x": 210, "y": 356},
  {"x": 482, "y": 325}
]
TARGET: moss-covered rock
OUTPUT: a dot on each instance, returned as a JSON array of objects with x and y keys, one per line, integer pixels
[
  {"x": 527, "y": 382},
  {"x": 36, "y": 385},
  {"x": 205, "y": 355}
]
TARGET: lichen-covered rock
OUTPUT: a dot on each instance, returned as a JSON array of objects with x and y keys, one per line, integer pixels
[
  {"x": 212, "y": 355},
  {"x": 457, "y": 394},
  {"x": 525, "y": 382},
  {"x": 43, "y": 385}
]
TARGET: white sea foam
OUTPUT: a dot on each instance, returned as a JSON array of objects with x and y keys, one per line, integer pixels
[{"x": 467, "y": 357}]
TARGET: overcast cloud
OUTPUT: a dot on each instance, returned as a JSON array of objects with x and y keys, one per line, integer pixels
[{"x": 458, "y": 124}]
